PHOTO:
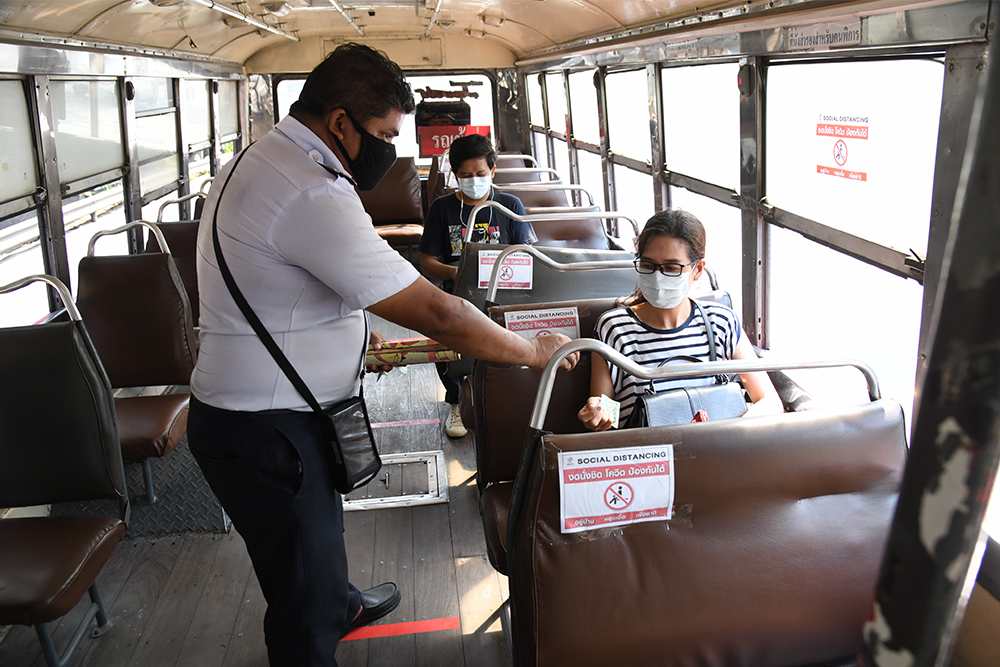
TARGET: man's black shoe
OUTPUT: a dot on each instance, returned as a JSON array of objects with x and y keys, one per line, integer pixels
[{"x": 375, "y": 603}]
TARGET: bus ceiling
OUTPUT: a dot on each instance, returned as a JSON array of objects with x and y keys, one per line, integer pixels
[{"x": 271, "y": 36}]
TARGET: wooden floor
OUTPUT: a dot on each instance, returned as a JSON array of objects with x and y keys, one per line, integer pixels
[{"x": 193, "y": 600}]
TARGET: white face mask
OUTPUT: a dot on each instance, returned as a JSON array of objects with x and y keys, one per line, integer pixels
[
  {"x": 476, "y": 187},
  {"x": 663, "y": 291}
]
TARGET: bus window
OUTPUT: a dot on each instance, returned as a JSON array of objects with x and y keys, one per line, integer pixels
[
  {"x": 825, "y": 304},
  {"x": 628, "y": 117},
  {"x": 852, "y": 145},
  {"x": 591, "y": 174},
  {"x": 480, "y": 108},
  {"x": 723, "y": 248},
  {"x": 89, "y": 212},
  {"x": 20, "y": 256},
  {"x": 229, "y": 120},
  {"x": 18, "y": 177},
  {"x": 583, "y": 102},
  {"x": 287, "y": 91},
  {"x": 196, "y": 121},
  {"x": 701, "y": 114},
  {"x": 634, "y": 196},
  {"x": 87, "y": 127},
  {"x": 556, "y": 92},
  {"x": 562, "y": 159},
  {"x": 536, "y": 111},
  {"x": 156, "y": 135}
]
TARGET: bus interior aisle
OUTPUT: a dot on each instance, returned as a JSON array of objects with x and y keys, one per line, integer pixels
[{"x": 193, "y": 599}]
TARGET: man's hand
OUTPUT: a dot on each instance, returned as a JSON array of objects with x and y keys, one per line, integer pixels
[
  {"x": 545, "y": 347},
  {"x": 375, "y": 341}
]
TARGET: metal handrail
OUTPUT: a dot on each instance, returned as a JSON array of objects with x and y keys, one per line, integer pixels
[
  {"x": 164, "y": 205},
  {"x": 540, "y": 217},
  {"x": 204, "y": 184},
  {"x": 64, "y": 293},
  {"x": 529, "y": 170},
  {"x": 676, "y": 371},
  {"x": 539, "y": 186},
  {"x": 598, "y": 265},
  {"x": 521, "y": 156},
  {"x": 108, "y": 232}
]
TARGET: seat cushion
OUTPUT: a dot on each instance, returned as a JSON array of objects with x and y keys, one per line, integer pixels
[
  {"x": 150, "y": 425},
  {"x": 47, "y": 563},
  {"x": 402, "y": 234},
  {"x": 496, "y": 505}
]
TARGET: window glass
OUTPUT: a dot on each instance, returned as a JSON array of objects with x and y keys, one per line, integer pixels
[
  {"x": 229, "y": 117},
  {"x": 591, "y": 175},
  {"x": 480, "y": 108},
  {"x": 199, "y": 170},
  {"x": 583, "y": 102},
  {"x": 21, "y": 256},
  {"x": 628, "y": 114},
  {"x": 852, "y": 145},
  {"x": 87, "y": 127},
  {"x": 556, "y": 91},
  {"x": 540, "y": 147},
  {"x": 157, "y": 147},
  {"x": 288, "y": 91},
  {"x": 152, "y": 94},
  {"x": 170, "y": 214},
  {"x": 89, "y": 212},
  {"x": 819, "y": 310},
  {"x": 18, "y": 176},
  {"x": 562, "y": 160},
  {"x": 535, "y": 109},
  {"x": 634, "y": 193},
  {"x": 701, "y": 117},
  {"x": 227, "y": 152},
  {"x": 723, "y": 241},
  {"x": 195, "y": 116}
]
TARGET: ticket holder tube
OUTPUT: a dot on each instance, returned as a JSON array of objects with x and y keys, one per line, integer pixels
[
  {"x": 675, "y": 371},
  {"x": 540, "y": 217}
]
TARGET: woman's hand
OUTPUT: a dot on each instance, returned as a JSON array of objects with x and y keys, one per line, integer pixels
[
  {"x": 375, "y": 341},
  {"x": 593, "y": 416}
]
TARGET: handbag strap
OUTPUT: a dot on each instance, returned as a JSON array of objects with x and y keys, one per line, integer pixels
[
  {"x": 248, "y": 312},
  {"x": 712, "y": 356}
]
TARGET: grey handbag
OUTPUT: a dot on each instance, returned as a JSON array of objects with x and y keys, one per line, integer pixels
[{"x": 722, "y": 400}]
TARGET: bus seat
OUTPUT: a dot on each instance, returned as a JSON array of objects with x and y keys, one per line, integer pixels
[
  {"x": 510, "y": 175},
  {"x": 540, "y": 198},
  {"x": 139, "y": 318},
  {"x": 771, "y": 559},
  {"x": 509, "y": 160},
  {"x": 59, "y": 444},
  {"x": 182, "y": 238},
  {"x": 586, "y": 233},
  {"x": 547, "y": 285},
  {"x": 396, "y": 207}
]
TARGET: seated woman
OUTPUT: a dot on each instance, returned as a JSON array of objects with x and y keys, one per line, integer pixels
[
  {"x": 473, "y": 159},
  {"x": 658, "y": 321}
]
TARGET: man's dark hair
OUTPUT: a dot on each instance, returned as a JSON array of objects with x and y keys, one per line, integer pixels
[
  {"x": 359, "y": 79},
  {"x": 470, "y": 147}
]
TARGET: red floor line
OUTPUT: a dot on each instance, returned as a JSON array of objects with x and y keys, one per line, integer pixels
[
  {"x": 411, "y": 422},
  {"x": 410, "y": 628}
]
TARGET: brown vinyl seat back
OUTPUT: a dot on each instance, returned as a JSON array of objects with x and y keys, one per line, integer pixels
[
  {"x": 139, "y": 317},
  {"x": 396, "y": 199},
  {"x": 57, "y": 417},
  {"x": 585, "y": 233},
  {"x": 540, "y": 198},
  {"x": 770, "y": 560},
  {"x": 182, "y": 238},
  {"x": 513, "y": 161},
  {"x": 521, "y": 174}
]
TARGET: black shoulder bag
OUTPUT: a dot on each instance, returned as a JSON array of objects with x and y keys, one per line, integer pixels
[
  {"x": 722, "y": 400},
  {"x": 345, "y": 424}
]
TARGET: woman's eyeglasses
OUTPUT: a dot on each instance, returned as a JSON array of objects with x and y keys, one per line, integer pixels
[{"x": 672, "y": 269}]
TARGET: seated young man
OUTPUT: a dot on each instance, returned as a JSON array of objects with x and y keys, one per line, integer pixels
[{"x": 473, "y": 161}]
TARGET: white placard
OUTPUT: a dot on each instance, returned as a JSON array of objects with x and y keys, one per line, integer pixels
[
  {"x": 515, "y": 273},
  {"x": 842, "y": 145},
  {"x": 531, "y": 323},
  {"x": 615, "y": 487}
]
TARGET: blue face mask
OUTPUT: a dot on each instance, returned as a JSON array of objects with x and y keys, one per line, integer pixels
[{"x": 476, "y": 187}]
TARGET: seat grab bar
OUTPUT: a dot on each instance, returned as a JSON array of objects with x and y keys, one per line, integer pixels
[
  {"x": 676, "y": 371},
  {"x": 58, "y": 285},
  {"x": 491, "y": 289},
  {"x": 540, "y": 217},
  {"x": 164, "y": 205},
  {"x": 109, "y": 232}
]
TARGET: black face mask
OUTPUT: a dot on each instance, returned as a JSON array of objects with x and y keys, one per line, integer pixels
[{"x": 373, "y": 161}]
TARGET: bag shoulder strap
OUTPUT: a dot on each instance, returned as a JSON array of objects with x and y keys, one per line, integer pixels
[
  {"x": 248, "y": 312},
  {"x": 712, "y": 356}
]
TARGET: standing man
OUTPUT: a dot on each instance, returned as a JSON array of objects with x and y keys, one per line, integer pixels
[{"x": 305, "y": 255}]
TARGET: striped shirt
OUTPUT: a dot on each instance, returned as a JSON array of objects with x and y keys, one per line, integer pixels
[{"x": 625, "y": 332}]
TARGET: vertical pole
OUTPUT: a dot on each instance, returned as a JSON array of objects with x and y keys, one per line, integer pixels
[
  {"x": 182, "y": 153},
  {"x": 550, "y": 148},
  {"x": 607, "y": 168},
  {"x": 935, "y": 543},
  {"x": 51, "y": 229},
  {"x": 133, "y": 191},
  {"x": 755, "y": 231},
  {"x": 661, "y": 185},
  {"x": 215, "y": 131},
  {"x": 574, "y": 165},
  {"x": 964, "y": 67}
]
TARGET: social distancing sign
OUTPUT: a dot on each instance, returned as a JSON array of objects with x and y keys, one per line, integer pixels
[
  {"x": 842, "y": 146},
  {"x": 615, "y": 487},
  {"x": 515, "y": 272},
  {"x": 544, "y": 321}
]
